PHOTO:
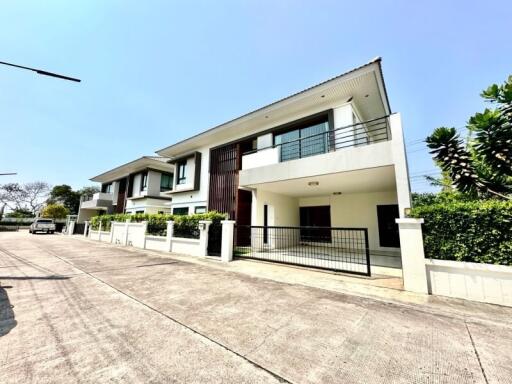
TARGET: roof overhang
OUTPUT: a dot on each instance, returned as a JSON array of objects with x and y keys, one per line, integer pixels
[
  {"x": 363, "y": 85},
  {"x": 145, "y": 162}
]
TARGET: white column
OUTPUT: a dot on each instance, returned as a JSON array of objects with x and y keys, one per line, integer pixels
[
  {"x": 228, "y": 229},
  {"x": 170, "y": 234},
  {"x": 403, "y": 189},
  {"x": 203, "y": 237},
  {"x": 126, "y": 224},
  {"x": 111, "y": 239},
  {"x": 71, "y": 228},
  {"x": 144, "y": 230},
  {"x": 99, "y": 232},
  {"x": 86, "y": 228},
  {"x": 413, "y": 257}
]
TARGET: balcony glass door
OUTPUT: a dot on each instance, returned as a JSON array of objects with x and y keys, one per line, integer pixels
[{"x": 303, "y": 142}]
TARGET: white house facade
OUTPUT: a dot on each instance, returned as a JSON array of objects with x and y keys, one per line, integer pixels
[{"x": 322, "y": 172}]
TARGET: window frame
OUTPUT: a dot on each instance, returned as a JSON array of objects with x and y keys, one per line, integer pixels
[
  {"x": 144, "y": 181},
  {"x": 180, "y": 214},
  {"x": 170, "y": 184},
  {"x": 200, "y": 207},
  {"x": 181, "y": 167}
]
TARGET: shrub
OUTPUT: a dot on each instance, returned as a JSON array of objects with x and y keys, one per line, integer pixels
[
  {"x": 184, "y": 225},
  {"x": 477, "y": 231}
]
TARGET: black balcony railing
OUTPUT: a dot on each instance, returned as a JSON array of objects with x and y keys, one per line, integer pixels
[{"x": 364, "y": 133}]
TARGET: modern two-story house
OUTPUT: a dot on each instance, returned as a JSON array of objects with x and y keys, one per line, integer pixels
[
  {"x": 139, "y": 186},
  {"x": 323, "y": 168}
]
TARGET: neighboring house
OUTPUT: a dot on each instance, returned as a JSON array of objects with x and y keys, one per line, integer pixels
[
  {"x": 329, "y": 156},
  {"x": 140, "y": 186}
]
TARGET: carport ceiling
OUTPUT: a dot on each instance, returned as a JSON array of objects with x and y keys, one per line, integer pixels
[{"x": 367, "y": 180}]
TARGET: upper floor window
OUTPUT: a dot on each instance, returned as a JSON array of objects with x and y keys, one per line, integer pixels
[
  {"x": 303, "y": 142},
  {"x": 166, "y": 182},
  {"x": 144, "y": 182},
  {"x": 106, "y": 188},
  {"x": 182, "y": 169}
]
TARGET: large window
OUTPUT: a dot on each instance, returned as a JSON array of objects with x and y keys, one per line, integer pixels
[
  {"x": 106, "y": 188},
  {"x": 303, "y": 142},
  {"x": 144, "y": 182},
  {"x": 180, "y": 211},
  {"x": 182, "y": 175},
  {"x": 166, "y": 182}
]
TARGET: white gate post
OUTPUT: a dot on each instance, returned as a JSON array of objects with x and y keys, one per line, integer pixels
[
  {"x": 99, "y": 232},
  {"x": 86, "y": 228},
  {"x": 413, "y": 256},
  {"x": 170, "y": 234},
  {"x": 126, "y": 224},
  {"x": 144, "y": 229},
  {"x": 111, "y": 239},
  {"x": 228, "y": 229},
  {"x": 203, "y": 237},
  {"x": 71, "y": 228}
]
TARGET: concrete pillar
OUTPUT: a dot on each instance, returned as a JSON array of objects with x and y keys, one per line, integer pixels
[
  {"x": 413, "y": 256},
  {"x": 111, "y": 239},
  {"x": 86, "y": 228},
  {"x": 203, "y": 237},
  {"x": 228, "y": 229},
  {"x": 71, "y": 228},
  {"x": 126, "y": 228},
  {"x": 403, "y": 189},
  {"x": 143, "y": 234},
  {"x": 170, "y": 234},
  {"x": 99, "y": 231}
]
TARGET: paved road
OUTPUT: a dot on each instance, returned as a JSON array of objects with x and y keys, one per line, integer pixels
[{"x": 78, "y": 311}]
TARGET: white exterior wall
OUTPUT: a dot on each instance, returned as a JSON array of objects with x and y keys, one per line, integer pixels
[
  {"x": 282, "y": 210},
  {"x": 137, "y": 179},
  {"x": 148, "y": 205},
  {"x": 153, "y": 183},
  {"x": 471, "y": 281}
]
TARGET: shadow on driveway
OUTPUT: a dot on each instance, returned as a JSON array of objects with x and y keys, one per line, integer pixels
[{"x": 7, "y": 319}]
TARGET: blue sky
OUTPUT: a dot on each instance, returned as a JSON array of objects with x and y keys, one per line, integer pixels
[{"x": 164, "y": 70}]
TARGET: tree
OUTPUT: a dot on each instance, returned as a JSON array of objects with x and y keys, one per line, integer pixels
[
  {"x": 55, "y": 211},
  {"x": 64, "y": 194},
  {"x": 20, "y": 213},
  {"x": 29, "y": 196},
  {"x": 483, "y": 165}
]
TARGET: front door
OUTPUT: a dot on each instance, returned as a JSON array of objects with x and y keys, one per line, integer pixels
[
  {"x": 312, "y": 217},
  {"x": 388, "y": 228}
]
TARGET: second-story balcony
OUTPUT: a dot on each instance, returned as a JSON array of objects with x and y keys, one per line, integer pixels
[
  {"x": 317, "y": 151},
  {"x": 98, "y": 201}
]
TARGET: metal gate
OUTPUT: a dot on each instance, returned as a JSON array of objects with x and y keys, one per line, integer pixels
[
  {"x": 339, "y": 249},
  {"x": 214, "y": 239},
  {"x": 79, "y": 229}
]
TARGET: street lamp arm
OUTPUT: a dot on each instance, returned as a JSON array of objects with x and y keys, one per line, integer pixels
[{"x": 41, "y": 72}]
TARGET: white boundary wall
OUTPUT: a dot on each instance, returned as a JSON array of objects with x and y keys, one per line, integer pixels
[
  {"x": 134, "y": 234},
  {"x": 487, "y": 283}
]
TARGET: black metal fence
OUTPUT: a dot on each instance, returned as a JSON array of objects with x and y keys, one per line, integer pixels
[
  {"x": 79, "y": 229},
  {"x": 340, "y": 249}
]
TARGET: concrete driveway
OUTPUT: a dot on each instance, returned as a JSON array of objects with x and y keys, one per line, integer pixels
[{"x": 78, "y": 311}]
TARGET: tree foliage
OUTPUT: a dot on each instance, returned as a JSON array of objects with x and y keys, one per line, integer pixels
[
  {"x": 55, "y": 211},
  {"x": 482, "y": 166},
  {"x": 24, "y": 197},
  {"x": 65, "y": 195}
]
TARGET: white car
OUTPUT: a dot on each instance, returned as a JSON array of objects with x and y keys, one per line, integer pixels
[{"x": 42, "y": 225}]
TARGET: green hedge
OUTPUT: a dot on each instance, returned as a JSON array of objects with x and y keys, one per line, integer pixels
[
  {"x": 184, "y": 225},
  {"x": 476, "y": 231}
]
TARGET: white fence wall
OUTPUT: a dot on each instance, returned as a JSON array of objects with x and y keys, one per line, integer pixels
[
  {"x": 134, "y": 234},
  {"x": 472, "y": 281}
]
